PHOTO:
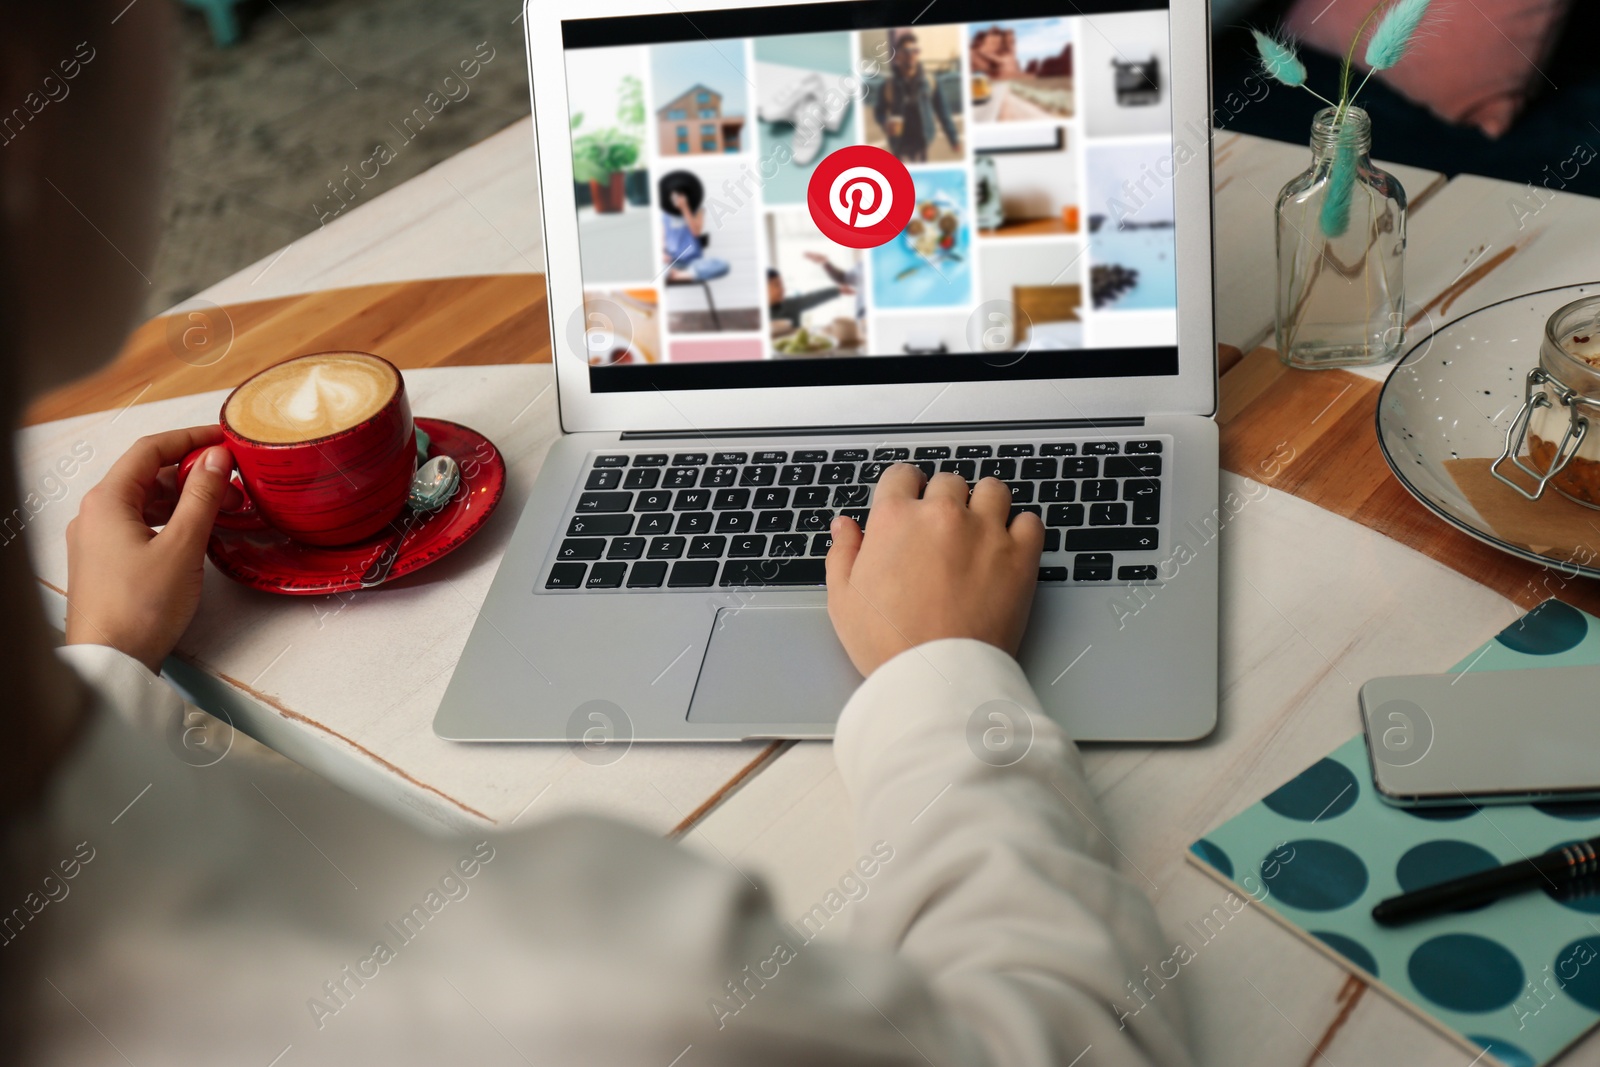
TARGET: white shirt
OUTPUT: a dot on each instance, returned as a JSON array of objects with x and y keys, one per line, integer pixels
[{"x": 234, "y": 913}]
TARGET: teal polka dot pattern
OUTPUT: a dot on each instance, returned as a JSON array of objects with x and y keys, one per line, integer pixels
[{"x": 1519, "y": 977}]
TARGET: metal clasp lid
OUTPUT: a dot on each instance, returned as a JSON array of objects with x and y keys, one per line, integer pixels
[{"x": 1517, "y": 432}]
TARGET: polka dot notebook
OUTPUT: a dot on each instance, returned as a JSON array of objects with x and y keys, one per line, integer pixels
[{"x": 1519, "y": 977}]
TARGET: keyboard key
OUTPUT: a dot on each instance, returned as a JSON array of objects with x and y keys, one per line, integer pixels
[
  {"x": 1142, "y": 573},
  {"x": 891, "y": 454},
  {"x": 759, "y": 475},
  {"x": 730, "y": 458},
  {"x": 642, "y": 478},
  {"x": 650, "y": 459},
  {"x": 692, "y": 500},
  {"x": 771, "y": 498},
  {"x": 689, "y": 459},
  {"x": 739, "y": 521},
  {"x": 1038, "y": 469},
  {"x": 1120, "y": 467},
  {"x": 811, "y": 496},
  {"x": 800, "y": 474},
  {"x": 1142, "y": 446},
  {"x": 811, "y": 455},
  {"x": 625, "y": 548},
  {"x": 769, "y": 457},
  {"x": 821, "y": 543},
  {"x": 1018, "y": 509},
  {"x": 604, "y": 502},
  {"x": 1147, "y": 512},
  {"x": 1058, "y": 492},
  {"x": 1021, "y": 492},
  {"x": 1112, "y": 539},
  {"x": 748, "y": 545},
  {"x": 681, "y": 477},
  {"x": 655, "y": 524},
  {"x": 581, "y": 548},
  {"x": 933, "y": 452},
  {"x": 1100, "y": 489},
  {"x": 1053, "y": 574},
  {"x": 849, "y": 496},
  {"x": 1108, "y": 515},
  {"x": 967, "y": 468},
  {"x": 1141, "y": 489},
  {"x": 689, "y": 575},
  {"x": 666, "y": 547},
  {"x": 1091, "y": 567},
  {"x": 812, "y": 521},
  {"x": 790, "y": 545},
  {"x": 925, "y": 466},
  {"x": 858, "y": 514},
  {"x": 599, "y": 525},
  {"x": 729, "y": 499},
  {"x": 1058, "y": 449},
  {"x": 717, "y": 477},
  {"x": 611, "y": 461},
  {"x": 1052, "y": 540},
  {"x": 693, "y": 522},
  {"x": 1004, "y": 469},
  {"x": 1064, "y": 515},
  {"x": 871, "y": 472},
  {"x": 774, "y": 572},
  {"x": 849, "y": 455},
  {"x": 652, "y": 500},
  {"x": 974, "y": 451},
  {"x": 647, "y": 575},
  {"x": 706, "y": 545},
  {"x": 566, "y": 576},
  {"x": 1016, "y": 450},
  {"x": 774, "y": 521},
  {"x": 603, "y": 478},
  {"x": 1101, "y": 448},
  {"x": 838, "y": 473},
  {"x": 606, "y": 576}
]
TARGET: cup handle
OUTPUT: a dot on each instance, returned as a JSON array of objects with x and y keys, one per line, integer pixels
[{"x": 246, "y": 517}]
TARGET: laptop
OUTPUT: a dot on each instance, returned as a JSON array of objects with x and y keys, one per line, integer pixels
[{"x": 793, "y": 243}]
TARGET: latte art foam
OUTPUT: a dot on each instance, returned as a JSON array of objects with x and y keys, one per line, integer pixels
[{"x": 310, "y": 397}]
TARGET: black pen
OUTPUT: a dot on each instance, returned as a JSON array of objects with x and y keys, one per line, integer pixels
[{"x": 1557, "y": 868}]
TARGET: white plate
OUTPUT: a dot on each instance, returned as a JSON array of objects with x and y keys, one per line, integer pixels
[{"x": 1455, "y": 393}]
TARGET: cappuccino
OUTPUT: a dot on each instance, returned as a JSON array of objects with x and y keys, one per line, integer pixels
[{"x": 311, "y": 397}]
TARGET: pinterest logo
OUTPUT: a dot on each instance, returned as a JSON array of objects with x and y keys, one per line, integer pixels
[{"x": 861, "y": 196}]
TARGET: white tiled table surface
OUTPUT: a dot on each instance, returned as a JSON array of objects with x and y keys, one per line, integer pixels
[{"x": 349, "y": 687}]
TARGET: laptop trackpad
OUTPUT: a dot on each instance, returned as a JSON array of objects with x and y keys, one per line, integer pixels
[{"x": 773, "y": 664}]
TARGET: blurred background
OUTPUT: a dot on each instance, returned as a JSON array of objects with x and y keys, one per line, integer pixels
[{"x": 308, "y": 88}]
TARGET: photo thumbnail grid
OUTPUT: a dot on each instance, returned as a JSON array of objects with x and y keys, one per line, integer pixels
[{"x": 1040, "y": 150}]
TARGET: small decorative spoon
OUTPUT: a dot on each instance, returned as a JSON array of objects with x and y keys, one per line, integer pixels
[{"x": 432, "y": 487}]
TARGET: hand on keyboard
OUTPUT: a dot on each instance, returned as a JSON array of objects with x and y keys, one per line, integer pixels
[{"x": 935, "y": 567}]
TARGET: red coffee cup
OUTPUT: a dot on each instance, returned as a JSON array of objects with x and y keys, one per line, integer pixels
[{"x": 331, "y": 489}]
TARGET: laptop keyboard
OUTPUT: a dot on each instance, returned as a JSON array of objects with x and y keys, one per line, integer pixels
[{"x": 688, "y": 520}]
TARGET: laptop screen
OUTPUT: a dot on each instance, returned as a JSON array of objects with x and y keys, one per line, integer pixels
[{"x": 874, "y": 191}]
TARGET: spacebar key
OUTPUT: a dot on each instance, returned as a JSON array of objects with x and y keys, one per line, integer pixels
[
  {"x": 1111, "y": 539},
  {"x": 774, "y": 572}
]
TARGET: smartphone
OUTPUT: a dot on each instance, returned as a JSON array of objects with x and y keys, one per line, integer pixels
[{"x": 1484, "y": 737}]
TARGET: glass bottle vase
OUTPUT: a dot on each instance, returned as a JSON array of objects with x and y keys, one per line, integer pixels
[{"x": 1341, "y": 252}]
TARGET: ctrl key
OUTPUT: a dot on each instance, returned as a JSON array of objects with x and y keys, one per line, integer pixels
[{"x": 566, "y": 576}]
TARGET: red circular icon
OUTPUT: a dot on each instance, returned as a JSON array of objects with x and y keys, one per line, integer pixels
[{"x": 861, "y": 196}]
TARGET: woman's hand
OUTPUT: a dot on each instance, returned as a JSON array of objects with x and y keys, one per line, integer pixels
[
  {"x": 936, "y": 567},
  {"x": 127, "y": 585}
]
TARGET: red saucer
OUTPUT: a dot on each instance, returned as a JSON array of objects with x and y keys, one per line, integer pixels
[{"x": 272, "y": 562}]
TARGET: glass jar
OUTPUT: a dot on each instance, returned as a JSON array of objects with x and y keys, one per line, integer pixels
[
  {"x": 1341, "y": 292},
  {"x": 1563, "y": 399}
]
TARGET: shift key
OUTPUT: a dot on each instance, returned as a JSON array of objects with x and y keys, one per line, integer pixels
[{"x": 1111, "y": 539}]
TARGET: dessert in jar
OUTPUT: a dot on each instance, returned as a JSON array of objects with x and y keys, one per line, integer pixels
[{"x": 1560, "y": 420}]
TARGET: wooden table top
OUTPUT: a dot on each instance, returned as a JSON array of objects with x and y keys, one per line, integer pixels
[{"x": 1333, "y": 577}]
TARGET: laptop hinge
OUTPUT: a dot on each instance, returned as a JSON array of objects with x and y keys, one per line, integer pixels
[{"x": 873, "y": 431}]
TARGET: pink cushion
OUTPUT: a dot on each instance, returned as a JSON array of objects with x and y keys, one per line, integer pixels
[{"x": 1475, "y": 64}]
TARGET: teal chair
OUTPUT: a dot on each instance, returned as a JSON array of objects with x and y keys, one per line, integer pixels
[{"x": 221, "y": 18}]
